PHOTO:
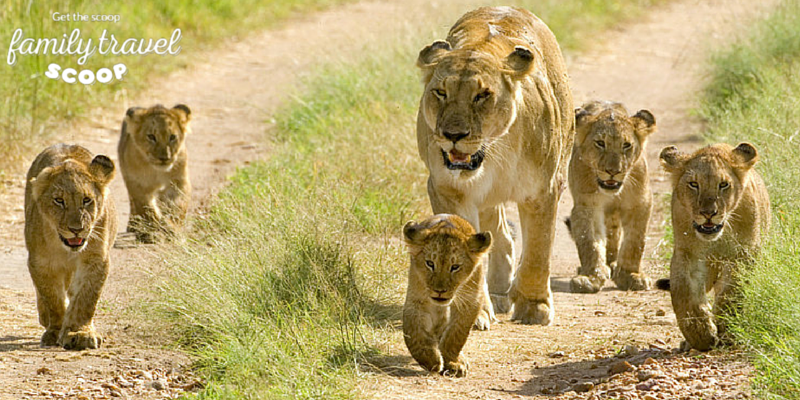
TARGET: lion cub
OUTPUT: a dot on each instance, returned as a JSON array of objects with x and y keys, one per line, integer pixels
[
  {"x": 445, "y": 290},
  {"x": 720, "y": 210},
  {"x": 70, "y": 225},
  {"x": 154, "y": 164},
  {"x": 610, "y": 186}
]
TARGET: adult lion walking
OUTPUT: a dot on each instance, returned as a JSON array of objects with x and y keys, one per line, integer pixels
[{"x": 496, "y": 124}]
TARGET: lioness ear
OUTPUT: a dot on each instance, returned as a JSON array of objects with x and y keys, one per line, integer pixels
[
  {"x": 520, "y": 61},
  {"x": 745, "y": 155},
  {"x": 39, "y": 182},
  {"x": 102, "y": 168},
  {"x": 480, "y": 243},
  {"x": 644, "y": 123},
  {"x": 184, "y": 111},
  {"x": 432, "y": 52},
  {"x": 672, "y": 159},
  {"x": 415, "y": 233}
]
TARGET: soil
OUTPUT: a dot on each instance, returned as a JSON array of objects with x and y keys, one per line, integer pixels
[{"x": 655, "y": 63}]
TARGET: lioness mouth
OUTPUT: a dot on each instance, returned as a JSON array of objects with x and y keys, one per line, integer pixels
[
  {"x": 440, "y": 299},
  {"x": 458, "y": 160},
  {"x": 73, "y": 242},
  {"x": 709, "y": 228},
  {"x": 609, "y": 184}
]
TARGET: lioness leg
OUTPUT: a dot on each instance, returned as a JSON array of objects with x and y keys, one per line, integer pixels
[
  {"x": 50, "y": 300},
  {"x": 78, "y": 331},
  {"x": 530, "y": 291},
  {"x": 501, "y": 258},
  {"x": 628, "y": 274},
  {"x": 688, "y": 292},
  {"x": 588, "y": 231},
  {"x": 724, "y": 299}
]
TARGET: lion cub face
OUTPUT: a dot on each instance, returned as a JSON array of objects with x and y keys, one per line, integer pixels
[
  {"x": 159, "y": 132},
  {"x": 445, "y": 250},
  {"x": 71, "y": 198},
  {"x": 709, "y": 183},
  {"x": 470, "y": 100},
  {"x": 610, "y": 141}
]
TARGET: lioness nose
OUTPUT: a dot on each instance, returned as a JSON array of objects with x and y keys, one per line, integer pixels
[
  {"x": 708, "y": 213},
  {"x": 75, "y": 230},
  {"x": 455, "y": 136},
  {"x": 612, "y": 171}
]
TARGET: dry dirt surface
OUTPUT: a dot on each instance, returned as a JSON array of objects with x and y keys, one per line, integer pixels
[{"x": 234, "y": 90}]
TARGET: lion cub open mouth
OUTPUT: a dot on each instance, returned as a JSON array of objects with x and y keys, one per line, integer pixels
[
  {"x": 708, "y": 228},
  {"x": 458, "y": 160},
  {"x": 74, "y": 243},
  {"x": 609, "y": 184}
]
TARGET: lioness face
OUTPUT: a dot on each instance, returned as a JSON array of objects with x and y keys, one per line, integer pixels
[
  {"x": 159, "y": 132},
  {"x": 470, "y": 100},
  {"x": 71, "y": 201},
  {"x": 610, "y": 142},
  {"x": 709, "y": 183},
  {"x": 444, "y": 253}
]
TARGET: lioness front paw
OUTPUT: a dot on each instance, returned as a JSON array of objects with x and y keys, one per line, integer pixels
[
  {"x": 49, "y": 338},
  {"x": 80, "y": 340},
  {"x": 586, "y": 284},
  {"x": 631, "y": 281},
  {"x": 484, "y": 321},
  {"x": 501, "y": 303},
  {"x": 456, "y": 369},
  {"x": 531, "y": 311}
]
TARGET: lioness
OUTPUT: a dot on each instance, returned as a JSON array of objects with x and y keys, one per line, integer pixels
[
  {"x": 155, "y": 167},
  {"x": 495, "y": 124},
  {"x": 70, "y": 225},
  {"x": 610, "y": 187},
  {"x": 720, "y": 210},
  {"x": 445, "y": 290}
]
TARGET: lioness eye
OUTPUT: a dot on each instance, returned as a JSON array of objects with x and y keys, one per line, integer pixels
[
  {"x": 59, "y": 201},
  {"x": 454, "y": 267},
  {"x": 626, "y": 146},
  {"x": 482, "y": 96},
  {"x": 440, "y": 93},
  {"x": 151, "y": 138},
  {"x": 87, "y": 201},
  {"x": 724, "y": 185},
  {"x": 601, "y": 144},
  {"x": 693, "y": 185},
  {"x": 430, "y": 264}
]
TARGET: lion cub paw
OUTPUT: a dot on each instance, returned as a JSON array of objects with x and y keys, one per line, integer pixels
[
  {"x": 532, "y": 312},
  {"x": 80, "y": 340},
  {"x": 484, "y": 321},
  {"x": 631, "y": 281},
  {"x": 49, "y": 338},
  {"x": 586, "y": 284},
  {"x": 501, "y": 303},
  {"x": 456, "y": 369}
]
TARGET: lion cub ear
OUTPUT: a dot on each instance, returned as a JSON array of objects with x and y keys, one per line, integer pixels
[
  {"x": 415, "y": 234},
  {"x": 431, "y": 53},
  {"x": 520, "y": 61},
  {"x": 744, "y": 156},
  {"x": 40, "y": 182},
  {"x": 480, "y": 243},
  {"x": 644, "y": 123},
  {"x": 102, "y": 168},
  {"x": 184, "y": 111},
  {"x": 672, "y": 159}
]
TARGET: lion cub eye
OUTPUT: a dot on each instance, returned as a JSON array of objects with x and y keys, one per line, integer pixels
[
  {"x": 724, "y": 185},
  {"x": 87, "y": 201},
  {"x": 59, "y": 201},
  {"x": 482, "y": 96},
  {"x": 430, "y": 264},
  {"x": 626, "y": 146},
  {"x": 172, "y": 138},
  {"x": 441, "y": 94},
  {"x": 151, "y": 138},
  {"x": 693, "y": 185},
  {"x": 454, "y": 267},
  {"x": 600, "y": 144}
]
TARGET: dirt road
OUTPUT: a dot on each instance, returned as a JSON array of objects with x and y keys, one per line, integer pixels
[{"x": 233, "y": 91}]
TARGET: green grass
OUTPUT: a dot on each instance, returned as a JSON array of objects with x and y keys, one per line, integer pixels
[
  {"x": 295, "y": 277},
  {"x": 33, "y": 106},
  {"x": 755, "y": 96}
]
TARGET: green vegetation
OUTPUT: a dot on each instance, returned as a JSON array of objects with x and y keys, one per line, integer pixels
[
  {"x": 755, "y": 96},
  {"x": 295, "y": 277},
  {"x": 32, "y": 104}
]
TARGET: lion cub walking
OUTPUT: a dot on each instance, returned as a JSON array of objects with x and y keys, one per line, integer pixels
[
  {"x": 155, "y": 167},
  {"x": 610, "y": 186},
  {"x": 720, "y": 210},
  {"x": 445, "y": 290},
  {"x": 70, "y": 225}
]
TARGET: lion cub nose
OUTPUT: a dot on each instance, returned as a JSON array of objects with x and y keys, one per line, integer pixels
[
  {"x": 455, "y": 136},
  {"x": 75, "y": 230},
  {"x": 708, "y": 213}
]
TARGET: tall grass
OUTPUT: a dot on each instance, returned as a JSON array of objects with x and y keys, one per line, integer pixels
[
  {"x": 32, "y": 104},
  {"x": 296, "y": 275},
  {"x": 755, "y": 96}
]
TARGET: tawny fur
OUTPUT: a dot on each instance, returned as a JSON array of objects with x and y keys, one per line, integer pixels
[
  {"x": 714, "y": 187},
  {"x": 499, "y": 85},
  {"x": 445, "y": 290},
  {"x": 609, "y": 221},
  {"x": 155, "y": 166},
  {"x": 67, "y": 197}
]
